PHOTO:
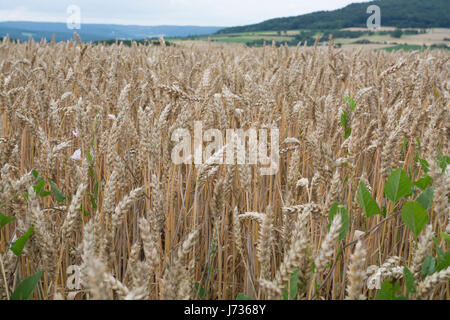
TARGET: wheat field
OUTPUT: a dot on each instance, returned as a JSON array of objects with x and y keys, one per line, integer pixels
[{"x": 93, "y": 206}]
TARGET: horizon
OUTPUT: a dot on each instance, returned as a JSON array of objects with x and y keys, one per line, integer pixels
[
  {"x": 116, "y": 24},
  {"x": 201, "y": 13}
]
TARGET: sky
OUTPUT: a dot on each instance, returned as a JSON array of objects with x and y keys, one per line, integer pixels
[{"x": 164, "y": 12}]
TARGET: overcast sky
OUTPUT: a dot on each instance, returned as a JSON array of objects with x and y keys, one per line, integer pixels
[{"x": 160, "y": 12}]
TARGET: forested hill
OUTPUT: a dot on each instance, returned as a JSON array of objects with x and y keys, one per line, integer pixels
[
  {"x": 22, "y": 30},
  {"x": 394, "y": 13}
]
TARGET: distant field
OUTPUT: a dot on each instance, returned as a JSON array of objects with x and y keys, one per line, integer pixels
[
  {"x": 407, "y": 47},
  {"x": 383, "y": 39}
]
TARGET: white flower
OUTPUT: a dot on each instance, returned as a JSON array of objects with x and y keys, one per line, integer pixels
[
  {"x": 76, "y": 134},
  {"x": 77, "y": 155},
  {"x": 374, "y": 282},
  {"x": 302, "y": 182}
]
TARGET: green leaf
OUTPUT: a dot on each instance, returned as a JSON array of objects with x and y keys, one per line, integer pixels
[
  {"x": 4, "y": 220},
  {"x": 429, "y": 266},
  {"x": 348, "y": 133},
  {"x": 424, "y": 182},
  {"x": 398, "y": 186},
  {"x": 409, "y": 279},
  {"x": 351, "y": 102},
  {"x": 414, "y": 216},
  {"x": 25, "y": 289},
  {"x": 336, "y": 208},
  {"x": 35, "y": 174},
  {"x": 18, "y": 245},
  {"x": 419, "y": 145},
  {"x": 96, "y": 190},
  {"x": 58, "y": 195},
  {"x": 39, "y": 187},
  {"x": 425, "y": 165},
  {"x": 426, "y": 198},
  {"x": 389, "y": 291},
  {"x": 366, "y": 201},
  {"x": 91, "y": 173},
  {"x": 344, "y": 119},
  {"x": 443, "y": 262},
  {"x": 344, "y": 124},
  {"x": 201, "y": 292},
  {"x": 443, "y": 258},
  {"x": 291, "y": 287},
  {"x": 445, "y": 236},
  {"x": 443, "y": 161},
  {"x": 242, "y": 296},
  {"x": 45, "y": 193},
  {"x": 93, "y": 202}
]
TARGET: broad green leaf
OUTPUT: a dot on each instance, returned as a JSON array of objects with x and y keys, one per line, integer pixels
[
  {"x": 409, "y": 279},
  {"x": 414, "y": 216},
  {"x": 425, "y": 165},
  {"x": 445, "y": 236},
  {"x": 398, "y": 186},
  {"x": 443, "y": 161},
  {"x": 17, "y": 246},
  {"x": 242, "y": 296},
  {"x": 291, "y": 287},
  {"x": 424, "y": 182},
  {"x": 336, "y": 208},
  {"x": 201, "y": 292},
  {"x": 443, "y": 261},
  {"x": 35, "y": 174},
  {"x": 443, "y": 258},
  {"x": 39, "y": 186},
  {"x": 389, "y": 291},
  {"x": 366, "y": 201},
  {"x": 285, "y": 294},
  {"x": 426, "y": 198},
  {"x": 58, "y": 195},
  {"x": 45, "y": 193},
  {"x": 25, "y": 289},
  {"x": 4, "y": 220},
  {"x": 429, "y": 266}
]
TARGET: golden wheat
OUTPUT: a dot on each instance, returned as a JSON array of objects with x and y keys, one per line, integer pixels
[{"x": 97, "y": 121}]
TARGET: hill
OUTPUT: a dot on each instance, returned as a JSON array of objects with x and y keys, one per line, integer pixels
[
  {"x": 394, "y": 13},
  {"x": 96, "y": 32}
]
